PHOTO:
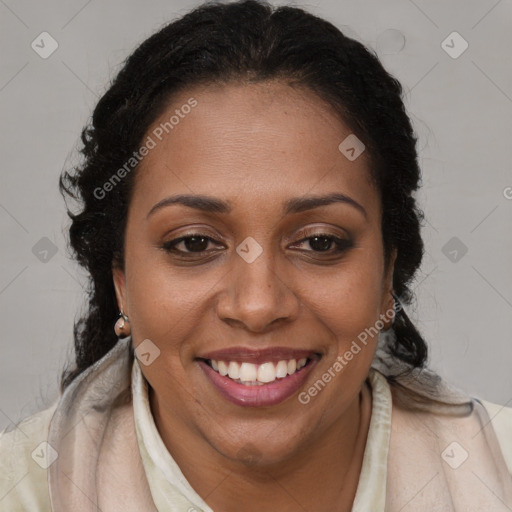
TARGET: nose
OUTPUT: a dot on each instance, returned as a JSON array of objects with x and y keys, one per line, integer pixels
[{"x": 257, "y": 295}]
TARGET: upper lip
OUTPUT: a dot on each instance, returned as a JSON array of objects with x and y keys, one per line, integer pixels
[{"x": 258, "y": 356}]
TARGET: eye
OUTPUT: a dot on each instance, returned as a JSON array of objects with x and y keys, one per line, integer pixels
[
  {"x": 323, "y": 243},
  {"x": 195, "y": 243}
]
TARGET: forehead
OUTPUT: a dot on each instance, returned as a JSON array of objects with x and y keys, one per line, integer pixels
[{"x": 264, "y": 139}]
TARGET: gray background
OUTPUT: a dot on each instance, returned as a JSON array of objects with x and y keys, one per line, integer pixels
[{"x": 461, "y": 109}]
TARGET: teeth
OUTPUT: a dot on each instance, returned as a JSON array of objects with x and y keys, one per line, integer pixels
[
  {"x": 256, "y": 375},
  {"x": 281, "y": 369},
  {"x": 267, "y": 372},
  {"x": 223, "y": 368},
  {"x": 233, "y": 370},
  {"x": 248, "y": 371}
]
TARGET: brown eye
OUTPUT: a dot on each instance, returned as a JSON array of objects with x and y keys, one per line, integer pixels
[
  {"x": 194, "y": 243},
  {"x": 323, "y": 242}
]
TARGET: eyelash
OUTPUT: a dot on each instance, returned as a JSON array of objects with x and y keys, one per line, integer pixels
[{"x": 340, "y": 243}]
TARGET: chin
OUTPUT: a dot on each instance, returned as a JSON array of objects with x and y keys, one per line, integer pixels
[{"x": 262, "y": 447}]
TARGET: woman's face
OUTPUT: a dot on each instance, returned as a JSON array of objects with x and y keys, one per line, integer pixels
[{"x": 251, "y": 289}]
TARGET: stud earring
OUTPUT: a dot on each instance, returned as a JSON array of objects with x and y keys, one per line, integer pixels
[{"x": 122, "y": 327}]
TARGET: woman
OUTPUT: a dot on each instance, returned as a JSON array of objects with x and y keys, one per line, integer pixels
[{"x": 248, "y": 222}]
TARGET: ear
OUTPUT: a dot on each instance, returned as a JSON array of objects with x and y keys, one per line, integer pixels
[
  {"x": 120, "y": 287},
  {"x": 388, "y": 301}
]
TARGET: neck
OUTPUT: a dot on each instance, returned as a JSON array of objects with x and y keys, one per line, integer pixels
[{"x": 322, "y": 476}]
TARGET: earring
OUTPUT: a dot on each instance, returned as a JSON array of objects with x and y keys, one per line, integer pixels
[{"x": 122, "y": 327}]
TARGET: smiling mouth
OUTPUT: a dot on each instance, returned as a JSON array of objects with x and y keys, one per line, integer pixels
[
  {"x": 262, "y": 382},
  {"x": 260, "y": 377},
  {"x": 250, "y": 374}
]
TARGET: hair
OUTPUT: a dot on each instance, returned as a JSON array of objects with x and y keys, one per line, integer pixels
[{"x": 243, "y": 41}]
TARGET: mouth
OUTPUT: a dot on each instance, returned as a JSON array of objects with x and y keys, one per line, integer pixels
[{"x": 258, "y": 378}]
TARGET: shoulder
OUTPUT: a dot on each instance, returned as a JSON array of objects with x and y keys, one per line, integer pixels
[
  {"x": 24, "y": 457},
  {"x": 501, "y": 419}
]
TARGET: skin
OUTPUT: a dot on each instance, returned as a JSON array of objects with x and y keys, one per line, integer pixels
[{"x": 257, "y": 145}]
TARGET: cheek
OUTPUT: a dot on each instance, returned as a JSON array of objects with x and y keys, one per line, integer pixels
[
  {"x": 166, "y": 304},
  {"x": 349, "y": 300}
]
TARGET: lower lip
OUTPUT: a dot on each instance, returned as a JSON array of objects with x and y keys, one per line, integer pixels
[{"x": 257, "y": 396}]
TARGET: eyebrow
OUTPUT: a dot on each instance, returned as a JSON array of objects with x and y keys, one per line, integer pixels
[{"x": 295, "y": 205}]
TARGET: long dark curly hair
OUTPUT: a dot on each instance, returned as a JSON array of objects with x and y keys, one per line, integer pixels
[{"x": 220, "y": 43}]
